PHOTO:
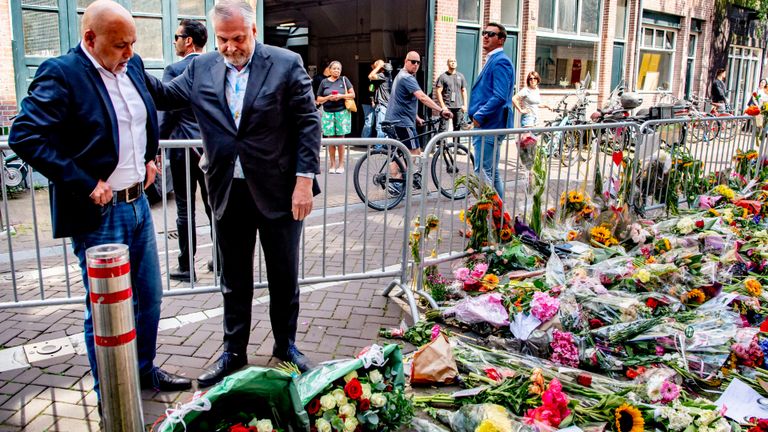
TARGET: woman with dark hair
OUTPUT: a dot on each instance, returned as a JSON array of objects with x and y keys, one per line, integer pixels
[
  {"x": 528, "y": 100},
  {"x": 337, "y": 119}
]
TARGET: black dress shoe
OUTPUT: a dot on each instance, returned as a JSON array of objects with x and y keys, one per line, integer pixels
[
  {"x": 293, "y": 355},
  {"x": 161, "y": 380},
  {"x": 182, "y": 275},
  {"x": 209, "y": 264},
  {"x": 226, "y": 364}
]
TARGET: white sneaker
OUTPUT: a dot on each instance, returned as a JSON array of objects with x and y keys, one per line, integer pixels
[
  {"x": 332, "y": 171},
  {"x": 339, "y": 170}
]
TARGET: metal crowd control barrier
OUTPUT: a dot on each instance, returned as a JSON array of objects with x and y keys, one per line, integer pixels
[
  {"x": 109, "y": 279},
  {"x": 342, "y": 240}
]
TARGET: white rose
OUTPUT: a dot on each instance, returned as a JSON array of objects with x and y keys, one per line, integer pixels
[
  {"x": 350, "y": 424},
  {"x": 340, "y": 397},
  {"x": 706, "y": 418},
  {"x": 685, "y": 225},
  {"x": 327, "y": 402},
  {"x": 643, "y": 275},
  {"x": 375, "y": 376},
  {"x": 378, "y": 400},
  {"x": 264, "y": 426},
  {"x": 322, "y": 425},
  {"x": 347, "y": 410},
  {"x": 350, "y": 376},
  {"x": 366, "y": 390}
]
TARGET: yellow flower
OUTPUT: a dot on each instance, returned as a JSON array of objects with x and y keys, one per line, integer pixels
[
  {"x": 461, "y": 216},
  {"x": 754, "y": 288},
  {"x": 505, "y": 234},
  {"x": 725, "y": 191},
  {"x": 575, "y": 197},
  {"x": 487, "y": 426},
  {"x": 667, "y": 244},
  {"x": 650, "y": 260},
  {"x": 629, "y": 419},
  {"x": 696, "y": 295},
  {"x": 714, "y": 212},
  {"x": 643, "y": 275},
  {"x": 572, "y": 235},
  {"x": 601, "y": 234},
  {"x": 489, "y": 282}
]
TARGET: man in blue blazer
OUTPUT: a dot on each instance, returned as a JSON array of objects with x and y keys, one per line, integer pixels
[
  {"x": 189, "y": 42},
  {"x": 261, "y": 139},
  {"x": 490, "y": 105},
  {"x": 90, "y": 126}
]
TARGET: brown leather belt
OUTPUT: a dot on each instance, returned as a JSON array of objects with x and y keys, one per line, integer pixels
[{"x": 129, "y": 194}]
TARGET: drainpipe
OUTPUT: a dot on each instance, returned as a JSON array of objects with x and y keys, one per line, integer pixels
[
  {"x": 429, "y": 54},
  {"x": 639, "y": 23}
]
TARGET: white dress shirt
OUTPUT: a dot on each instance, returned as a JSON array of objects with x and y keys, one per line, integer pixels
[{"x": 131, "y": 116}]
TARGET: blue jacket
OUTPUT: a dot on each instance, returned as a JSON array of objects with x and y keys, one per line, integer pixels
[
  {"x": 180, "y": 124},
  {"x": 490, "y": 102},
  {"x": 67, "y": 130}
]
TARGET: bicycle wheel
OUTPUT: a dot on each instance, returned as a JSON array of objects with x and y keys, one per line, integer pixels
[
  {"x": 727, "y": 127},
  {"x": 702, "y": 130},
  {"x": 450, "y": 161},
  {"x": 569, "y": 151},
  {"x": 374, "y": 181}
]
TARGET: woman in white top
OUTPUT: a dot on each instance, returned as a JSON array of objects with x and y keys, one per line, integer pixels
[
  {"x": 762, "y": 92},
  {"x": 528, "y": 100}
]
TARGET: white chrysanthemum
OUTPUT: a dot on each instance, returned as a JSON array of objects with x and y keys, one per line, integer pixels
[{"x": 686, "y": 225}]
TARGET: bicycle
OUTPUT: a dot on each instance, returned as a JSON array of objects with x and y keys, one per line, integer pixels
[
  {"x": 379, "y": 174},
  {"x": 703, "y": 127},
  {"x": 568, "y": 145}
]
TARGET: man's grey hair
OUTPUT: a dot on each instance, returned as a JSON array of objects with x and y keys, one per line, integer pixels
[{"x": 229, "y": 9}]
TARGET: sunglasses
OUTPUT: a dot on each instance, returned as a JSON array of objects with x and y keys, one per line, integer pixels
[
  {"x": 490, "y": 34},
  {"x": 181, "y": 36},
  {"x": 415, "y": 62}
]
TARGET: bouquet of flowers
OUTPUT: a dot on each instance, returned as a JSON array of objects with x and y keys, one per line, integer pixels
[{"x": 363, "y": 394}]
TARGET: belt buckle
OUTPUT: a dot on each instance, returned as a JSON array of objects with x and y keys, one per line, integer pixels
[{"x": 129, "y": 196}]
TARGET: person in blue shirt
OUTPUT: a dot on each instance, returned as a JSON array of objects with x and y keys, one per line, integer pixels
[{"x": 490, "y": 104}]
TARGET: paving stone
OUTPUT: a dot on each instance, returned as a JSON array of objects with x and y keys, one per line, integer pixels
[
  {"x": 28, "y": 375},
  {"x": 41, "y": 423},
  {"x": 28, "y": 412},
  {"x": 69, "y": 424},
  {"x": 69, "y": 410},
  {"x": 11, "y": 388},
  {"x": 22, "y": 397},
  {"x": 58, "y": 395},
  {"x": 60, "y": 381}
]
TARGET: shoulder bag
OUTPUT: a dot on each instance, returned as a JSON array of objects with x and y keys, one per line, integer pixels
[{"x": 348, "y": 103}]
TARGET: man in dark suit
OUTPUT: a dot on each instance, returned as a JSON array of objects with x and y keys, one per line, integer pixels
[
  {"x": 90, "y": 126},
  {"x": 490, "y": 105},
  {"x": 261, "y": 136},
  {"x": 189, "y": 42}
]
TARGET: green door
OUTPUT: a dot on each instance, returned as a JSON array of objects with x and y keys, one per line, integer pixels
[
  {"x": 510, "y": 49},
  {"x": 467, "y": 53},
  {"x": 617, "y": 71}
]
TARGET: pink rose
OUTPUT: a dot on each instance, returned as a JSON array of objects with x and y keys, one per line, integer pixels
[
  {"x": 479, "y": 270},
  {"x": 461, "y": 274}
]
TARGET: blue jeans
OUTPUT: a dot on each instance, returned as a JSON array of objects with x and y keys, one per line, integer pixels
[
  {"x": 381, "y": 112},
  {"x": 487, "y": 153},
  {"x": 368, "y": 125},
  {"x": 129, "y": 224}
]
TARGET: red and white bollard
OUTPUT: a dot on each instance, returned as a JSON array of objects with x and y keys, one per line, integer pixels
[{"x": 109, "y": 278}]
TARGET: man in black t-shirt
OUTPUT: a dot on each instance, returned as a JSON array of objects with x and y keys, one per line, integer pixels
[
  {"x": 451, "y": 91},
  {"x": 718, "y": 91},
  {"x": 381, "y": 79}
]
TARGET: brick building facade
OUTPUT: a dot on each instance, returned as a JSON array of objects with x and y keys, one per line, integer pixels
[{"x": 7, "y": 86}]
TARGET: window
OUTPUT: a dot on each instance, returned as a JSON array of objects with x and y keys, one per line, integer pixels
[
  {"x": 469, "y": 10},
  {"x": 657, "y": 50},
  {"x": 562, "y": 63},
  {"x": 580, "y": 17},
  {"x": 567, "y": 42},
  {"x": 621, "y": 20},
  {"x": 510, "y": 12},
  {"x": 40, "y": 22}
]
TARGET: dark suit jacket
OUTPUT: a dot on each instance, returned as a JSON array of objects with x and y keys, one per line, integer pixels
[
  {"x": 180, "y": 124},
  {"x": 490, "y": 102},
  {"x": 67, "y": 130},
  {"x": 279, "y": 133}
]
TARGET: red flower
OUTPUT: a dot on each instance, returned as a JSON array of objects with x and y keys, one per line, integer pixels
[
  {"x": 493, "y": 374},
  {"x": 595, "y": 323},
  {"x": 240, "y": 428},
  {"x": 388, "y": 388},
  {"x": 313, "y": 429},
  {"x": 313, "y": 406},
  {"x": 652, "y": 303},
  {"x": 699, "y": 224},
  {"x": 634, "y": 373},
  {"x": 584, "y": 379},
  {"x": 365, "y": 404},
  {"x": 353, "y": 389}
]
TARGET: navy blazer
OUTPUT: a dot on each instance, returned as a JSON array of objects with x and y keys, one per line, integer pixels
[
  {"x": 490, "y": 102},
  {"x": 279, "y": 133},
  {"x": 180, "y": 124},
  {"x": 67, "y": 130}
]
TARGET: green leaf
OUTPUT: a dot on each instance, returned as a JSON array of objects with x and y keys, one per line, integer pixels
[{"x": 372, "y": 418}]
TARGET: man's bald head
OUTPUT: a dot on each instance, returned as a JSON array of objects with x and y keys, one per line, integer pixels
[
  {"x": 412, "y": 62},
  {"x": 108, "y": 33}
]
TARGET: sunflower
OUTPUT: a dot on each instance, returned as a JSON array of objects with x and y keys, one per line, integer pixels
[
  {"x": 505, "y": 234},
  {"x": 754, "y": 288},
  {"x": 562, "y": 199},
  {"x": 572, "y": 235},
  {"x": 696, "y": 295},
  {"x": 575, "y": 197},
  {"x": 629, "y": 419},
  {"x": 600, "y": 234}
]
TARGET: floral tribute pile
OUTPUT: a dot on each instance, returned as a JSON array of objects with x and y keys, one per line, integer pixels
[{"x": 610, "y": 320}]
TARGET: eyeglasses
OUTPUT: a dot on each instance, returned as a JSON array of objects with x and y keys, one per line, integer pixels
[
  {"x": 415, "y": 62},
  {"x": 490, "y": 34},
  {"x": 181, "y": 36}
]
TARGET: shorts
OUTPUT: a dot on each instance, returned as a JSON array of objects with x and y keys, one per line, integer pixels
[
  {"x": 528, "y": 120},
  {"x": 337, "y": 123},
  {"x": 405, "y": 135}
]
